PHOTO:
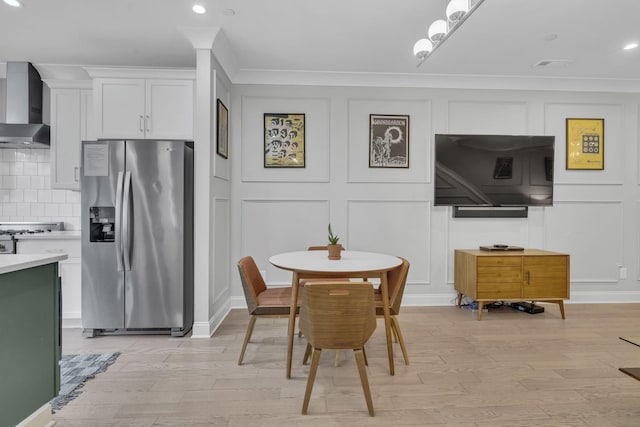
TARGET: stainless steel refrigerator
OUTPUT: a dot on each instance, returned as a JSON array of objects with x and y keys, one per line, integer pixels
[{"x": 137, "y": 237}]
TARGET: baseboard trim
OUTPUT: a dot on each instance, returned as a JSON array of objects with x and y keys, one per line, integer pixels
[
  {"x": 207, "y": 329},
  {"x": 593, "y": 297},
  {"x": 71, "y": 322},
  {"x": 40, "y": 418}
]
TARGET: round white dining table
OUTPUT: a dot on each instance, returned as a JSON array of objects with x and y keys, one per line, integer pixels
[{"x": 352, "y": 264}]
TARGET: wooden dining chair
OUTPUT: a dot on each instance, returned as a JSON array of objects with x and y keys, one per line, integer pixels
[
  {"x": 396, "y": 281},
  {"x": 261, "y": 301},
  {"x": 303, "y": 282},
  {"x": 338, "y": 316}
]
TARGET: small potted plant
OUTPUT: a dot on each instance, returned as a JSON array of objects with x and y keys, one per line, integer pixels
[{"x": 333, "y": 247}]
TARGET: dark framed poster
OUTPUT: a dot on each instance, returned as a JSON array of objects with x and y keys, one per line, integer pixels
[
  {"x": 388, "y": 141},
  {"x": 222, "y": 140},
  {"x": 284, "y": 140}
]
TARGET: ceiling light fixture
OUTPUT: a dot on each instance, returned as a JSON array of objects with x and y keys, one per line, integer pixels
[
  {"x": 14, "y": 3},
  {"x": 457, "y": 11},
  {"x": 199, "y": 9},
  {"x": 630, "y": 46}
]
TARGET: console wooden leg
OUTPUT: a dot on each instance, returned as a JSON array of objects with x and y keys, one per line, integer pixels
[
  {"x": 459, "y": 299},
  {"x": 480, "y": 307},
  {"x": 561, "y": 304}
]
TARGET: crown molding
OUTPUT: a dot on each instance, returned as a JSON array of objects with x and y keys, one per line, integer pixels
[
  {"x": 140, "y": 72},
  {"x": 440, "y": 81}
]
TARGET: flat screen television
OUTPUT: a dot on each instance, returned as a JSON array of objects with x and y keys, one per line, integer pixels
[{"x": 493, "y": 170}]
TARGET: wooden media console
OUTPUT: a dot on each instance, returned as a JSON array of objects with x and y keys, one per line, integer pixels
[{"x": 529, "y": 274}]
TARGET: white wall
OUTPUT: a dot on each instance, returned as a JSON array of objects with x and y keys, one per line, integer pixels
[{"x": 593, "y": 219}]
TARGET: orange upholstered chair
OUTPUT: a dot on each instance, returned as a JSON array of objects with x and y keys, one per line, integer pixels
[
  {"x": 261, "y": 301},
  {"x": 396, "y": 281}
]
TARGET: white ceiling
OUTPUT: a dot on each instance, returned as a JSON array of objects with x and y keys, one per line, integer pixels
[{"x": 346, "y": 37}]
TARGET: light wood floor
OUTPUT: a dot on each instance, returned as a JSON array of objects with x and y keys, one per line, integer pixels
[{"x": 510, "y": 369}]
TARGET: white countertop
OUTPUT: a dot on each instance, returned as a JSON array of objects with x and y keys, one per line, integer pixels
[
  {"x": 9, "y": 263},
  {"x": 51, "y": 235}
]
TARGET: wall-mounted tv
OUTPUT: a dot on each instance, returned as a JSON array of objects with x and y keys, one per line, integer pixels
[{"x": 493, "y": 170}]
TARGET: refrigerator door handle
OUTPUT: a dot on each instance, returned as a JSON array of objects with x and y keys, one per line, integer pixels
[
  {"x": 126, "y": 221},
  {"x": 118, "y": 236}
]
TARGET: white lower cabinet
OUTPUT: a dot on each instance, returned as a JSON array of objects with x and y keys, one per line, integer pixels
[{"x": 70, "y": 272}]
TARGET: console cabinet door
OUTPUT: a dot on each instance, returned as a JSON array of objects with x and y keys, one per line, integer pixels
[{"x": 545, "y": 277}]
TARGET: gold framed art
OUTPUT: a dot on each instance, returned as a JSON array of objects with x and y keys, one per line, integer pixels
[
  {"x": 284, "y": 140},
  {"x": 585, "y": 144}
]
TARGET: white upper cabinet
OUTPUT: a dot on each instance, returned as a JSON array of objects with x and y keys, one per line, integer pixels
[
  {"x": 169, "y": 109},
  {"x": 71, "y": 123},
  {"x": 143, "y": 107},
  {"x": 119, "y": 106},
  {"x": 88, "y": 125}
]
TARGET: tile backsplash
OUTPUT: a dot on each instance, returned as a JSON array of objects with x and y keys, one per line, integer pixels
[{"x": 26, "y": 193}]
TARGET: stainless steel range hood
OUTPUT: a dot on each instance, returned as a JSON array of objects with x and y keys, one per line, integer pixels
[{"x": 23, "y": 127}]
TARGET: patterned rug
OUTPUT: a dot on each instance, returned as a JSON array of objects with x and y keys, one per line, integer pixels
[{"x": 75, "y": 370}]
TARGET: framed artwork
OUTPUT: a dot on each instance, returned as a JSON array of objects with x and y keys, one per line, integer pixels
[
  {"x": 585, "y": 144},
  {"x": 503, "y": 168},
  {"x": 284, "y": 140},
  {"x": 222, "y": 141},
  {"x": 388, "y": 141}
]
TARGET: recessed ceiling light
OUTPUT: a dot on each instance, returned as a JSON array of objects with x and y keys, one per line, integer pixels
[
  {"x": 630, "y": 46},
  {"x": 228, "y": 12},
  {"x": 14, "y": 3},
  {"x": 199, "y": 9}
]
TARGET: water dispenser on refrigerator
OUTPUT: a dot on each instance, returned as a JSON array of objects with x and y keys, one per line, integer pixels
[{"x": 102, "y": 223}]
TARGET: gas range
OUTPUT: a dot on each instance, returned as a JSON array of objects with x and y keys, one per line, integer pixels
[{"x": 9, "y": 231}]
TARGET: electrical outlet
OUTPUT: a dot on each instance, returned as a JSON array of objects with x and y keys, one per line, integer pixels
[{"x": 623, "y": 272}]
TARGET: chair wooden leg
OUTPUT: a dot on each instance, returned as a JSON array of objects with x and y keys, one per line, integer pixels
[
  {"x": 315, "y": 359},
  {"x": 247, "y": 337},
  {"x": 395, "y": 325},
  {"x": 364, "y": 353},
  {"x": 307, "y": 353},
  {"x": 362, "y": 370},
  {"x": 337, "y": 361}
]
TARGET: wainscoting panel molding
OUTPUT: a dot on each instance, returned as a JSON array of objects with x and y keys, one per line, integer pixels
[
  {"x": 489, "y": 118},
  {"x": 317, "y": 139},
  {"x": 555, "y": 115},
  {"x": 395, "y": 227},
  {"x": 270, "y": 227},
  {"x": 420, "y": 140},
  {"x": 578, "y": 228}
]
